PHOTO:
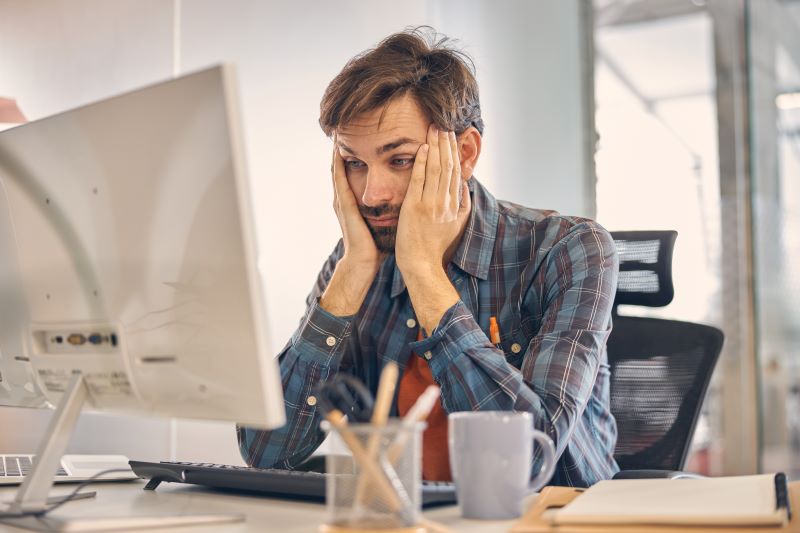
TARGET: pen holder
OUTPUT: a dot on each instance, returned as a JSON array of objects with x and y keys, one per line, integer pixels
[{"x": 356, "y": 500}]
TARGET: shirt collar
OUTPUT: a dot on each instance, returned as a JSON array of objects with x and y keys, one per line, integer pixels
[{"x": 474, "y": 253}]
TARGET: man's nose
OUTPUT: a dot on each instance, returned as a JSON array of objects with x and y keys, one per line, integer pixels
[{"x": 378, "y": 190}]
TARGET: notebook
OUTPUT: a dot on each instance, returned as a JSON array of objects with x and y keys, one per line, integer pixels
[{"x": 760, "y": 500}]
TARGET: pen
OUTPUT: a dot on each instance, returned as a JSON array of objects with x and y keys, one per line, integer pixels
[
  {"x": 418, "y": 412},
  {"x": 494, "y": 331}
]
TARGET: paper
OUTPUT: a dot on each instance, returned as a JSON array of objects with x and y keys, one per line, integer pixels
[{"x": 739, "y": 501}]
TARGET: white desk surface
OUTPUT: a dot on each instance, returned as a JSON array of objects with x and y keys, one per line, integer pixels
[{"x": 262, "y": 514}]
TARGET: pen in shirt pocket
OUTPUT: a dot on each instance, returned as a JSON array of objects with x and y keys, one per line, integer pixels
[{"x": 494, "y": 332}]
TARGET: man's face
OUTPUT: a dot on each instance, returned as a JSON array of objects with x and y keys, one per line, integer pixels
[{"x": 378, "y": 156}]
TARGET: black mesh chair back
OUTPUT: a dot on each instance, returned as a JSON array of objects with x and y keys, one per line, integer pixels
[
  {"x": 660, "y": 369},
  {"x": 645, "y": 267}
]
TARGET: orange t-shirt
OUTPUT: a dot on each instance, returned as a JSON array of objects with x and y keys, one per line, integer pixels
[{"x": 435, "y": 457}]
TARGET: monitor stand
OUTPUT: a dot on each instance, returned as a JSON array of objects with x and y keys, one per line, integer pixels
[{"x": 32, "y": 499}]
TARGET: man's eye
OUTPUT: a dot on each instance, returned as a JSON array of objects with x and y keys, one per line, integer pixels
[
  {"x": 354, "y": 164},
  {"x": 402, "y": 161}
]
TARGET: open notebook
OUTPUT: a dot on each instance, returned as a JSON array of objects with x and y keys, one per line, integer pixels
[{"x": 726, "y": 501}]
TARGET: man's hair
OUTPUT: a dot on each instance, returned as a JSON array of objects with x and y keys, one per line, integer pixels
[{"x": 417, "y": 62}]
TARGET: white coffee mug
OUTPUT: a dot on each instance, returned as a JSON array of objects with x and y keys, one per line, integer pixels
[{"x": 491, "y": 456}]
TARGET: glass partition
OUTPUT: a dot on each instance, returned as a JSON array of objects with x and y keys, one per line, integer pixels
[
  {"x": 774, "y": 76},
  {"x": 657, "y": 159},
  {"x": 698, "y": 122}
]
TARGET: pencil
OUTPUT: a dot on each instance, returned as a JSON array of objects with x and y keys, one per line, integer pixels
[
  {"x": 368, "y": 465},
  {"x": 380, "y": 415},
  {"x": 418, "y": 413}
]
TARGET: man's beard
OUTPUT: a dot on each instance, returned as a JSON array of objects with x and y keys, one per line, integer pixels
[{"x": 384, "y": 236}]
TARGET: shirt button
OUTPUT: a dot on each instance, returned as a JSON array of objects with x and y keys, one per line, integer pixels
[
  {"x": 516, "y": 348},
  {"x": 330, "y": 341},
  {"x": 312, "y": 400},
  {"x": 411, "y": 322},
  {"x": 428, "y": 355}
]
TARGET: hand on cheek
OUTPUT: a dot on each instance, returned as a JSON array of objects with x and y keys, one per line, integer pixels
[
  {"x": 435, "y": 208},
  {"x": 356, "y": 269},
  {"x": 358, "y": 242}
]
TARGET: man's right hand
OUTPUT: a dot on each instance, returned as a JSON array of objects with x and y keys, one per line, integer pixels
[{"x": 361, "y": 260}]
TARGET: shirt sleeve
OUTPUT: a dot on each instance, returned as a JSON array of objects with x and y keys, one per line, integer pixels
[
  {"x": 561, "y": 362},
  {"x": 320, "y": 348}
]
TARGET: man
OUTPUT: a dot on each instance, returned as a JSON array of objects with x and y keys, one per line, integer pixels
[{"x": 428, "y": 258}]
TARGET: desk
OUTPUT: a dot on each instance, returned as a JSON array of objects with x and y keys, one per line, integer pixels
[{"x": 262, "y": 514}]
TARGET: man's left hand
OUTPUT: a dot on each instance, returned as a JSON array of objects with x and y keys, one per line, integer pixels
[
  {"x": 431, "y": 221},
  {"x": 432, "y": 217}
]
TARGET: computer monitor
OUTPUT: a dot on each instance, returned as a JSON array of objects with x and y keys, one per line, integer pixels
[
  {"x": 133, "y": 227},
  {"x": 18, "y": 384}
]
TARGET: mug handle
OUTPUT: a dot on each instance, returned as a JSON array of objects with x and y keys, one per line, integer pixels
[{"x": 548, "y": 461}]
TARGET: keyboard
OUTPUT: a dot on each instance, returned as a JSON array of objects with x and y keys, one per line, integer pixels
[
  {"x": 292, "y": 484},
  {"x": 74, "y": 468}
]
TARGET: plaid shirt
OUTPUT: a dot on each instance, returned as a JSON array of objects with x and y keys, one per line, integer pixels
[{"x": 550, "y": 281}]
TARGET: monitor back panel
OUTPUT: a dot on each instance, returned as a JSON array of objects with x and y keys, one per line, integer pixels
[{"x": 136, "y": 251}]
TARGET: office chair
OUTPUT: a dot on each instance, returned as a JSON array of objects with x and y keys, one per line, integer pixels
[{"x": 660, "y": 369}]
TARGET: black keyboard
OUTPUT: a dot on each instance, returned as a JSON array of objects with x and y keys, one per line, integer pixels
[{"x": 294, "y": 484}]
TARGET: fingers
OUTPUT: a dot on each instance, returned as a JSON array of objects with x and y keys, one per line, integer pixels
[
  {"x": 455, "y": 174},
  {"x": 434, "y": 166},
  {"x": 417, "y": 183},
  {"x": 337, "y": 165},
  {"x": 333, "y": 175},
  {"x": 343, "y": 195},
  {"x": 436, "y": 174},
  {"x": 443, "y": 173},
  {"x": 446, "y": 164}
]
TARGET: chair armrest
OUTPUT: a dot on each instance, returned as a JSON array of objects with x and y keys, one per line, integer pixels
[{"x": 655, "y": 474}]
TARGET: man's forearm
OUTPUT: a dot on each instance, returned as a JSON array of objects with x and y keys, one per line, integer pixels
[
  {"x": 431, "y": 294},
  {"x": 307, "y": 360},
  {"x": 348, "y": 287}
]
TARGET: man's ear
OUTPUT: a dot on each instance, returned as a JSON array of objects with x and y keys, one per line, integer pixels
[{"x": 469, "y": 149}]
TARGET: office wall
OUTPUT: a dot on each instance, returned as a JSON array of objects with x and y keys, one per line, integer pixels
[
  {"x": 59, "y": 54},
  {"x": 530, "y": 57}
]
